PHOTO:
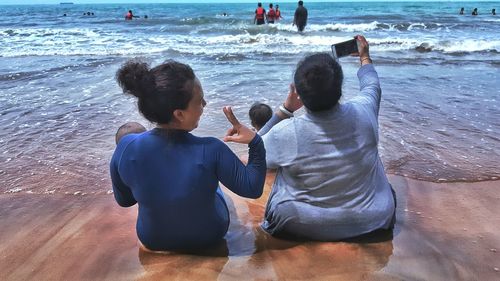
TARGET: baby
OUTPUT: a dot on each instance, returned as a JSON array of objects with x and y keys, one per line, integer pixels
[
  {"x": 129, "y": 128},
  {"x": 259, "y": 114}
]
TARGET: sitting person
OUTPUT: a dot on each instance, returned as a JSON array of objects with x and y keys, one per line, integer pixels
[
  {"x": 259, "y": 114},
  {"x": 330, "y": 183},
  {"x": 128, "y": 128},
  {"x": 173, "y": 175}
]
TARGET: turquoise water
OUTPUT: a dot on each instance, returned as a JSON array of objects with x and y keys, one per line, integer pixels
[{"x": 60, "y": 105}]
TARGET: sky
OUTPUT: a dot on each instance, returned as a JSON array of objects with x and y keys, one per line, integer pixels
[{"x": 30, "y": 2}]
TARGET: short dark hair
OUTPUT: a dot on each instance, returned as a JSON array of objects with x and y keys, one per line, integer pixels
[
  {"x": 259, "y": 4},
  {"x": 301, "y": 3},
  {"x": 259, "y": 114},
  {"x": 160, "y": 90},
  {"x": 270, "y": 5},
  {"x": 318, "y": 80}
]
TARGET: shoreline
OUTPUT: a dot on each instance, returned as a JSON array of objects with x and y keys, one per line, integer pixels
[{"x": 443, "y": 231}]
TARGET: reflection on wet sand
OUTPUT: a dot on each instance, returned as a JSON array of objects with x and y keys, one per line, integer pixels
[
  {"x": 251, "y": 253},
  {"x": 257, "y": 255},
  {"x": 443, "y": 232}
]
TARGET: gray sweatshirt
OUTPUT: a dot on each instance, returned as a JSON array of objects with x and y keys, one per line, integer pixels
[{"x": 330, "y": 182}]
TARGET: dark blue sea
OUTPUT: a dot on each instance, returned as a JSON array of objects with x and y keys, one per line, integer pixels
[{"x": 60, "y": 104}]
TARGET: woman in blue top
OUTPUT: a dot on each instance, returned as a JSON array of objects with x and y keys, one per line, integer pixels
[{"x": 172, "y": 174}]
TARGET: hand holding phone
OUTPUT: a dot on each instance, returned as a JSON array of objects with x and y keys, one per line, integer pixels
[{"x": 345, "y": 48}]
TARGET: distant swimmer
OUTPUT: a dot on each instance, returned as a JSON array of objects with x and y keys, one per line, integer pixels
[
  {"x": 474, "y": 13},
  {"x": 260, "y": 15},
  {"x": 462, "y": 11},
  {"x": 300, "y": 17},
  {"x": 130, "y": 15},
  {"x": 271, "y": 15},
  {"x": 493, "y": 12},
  {"x": 278, "y": 13},
  {"x": 146, "y": 16},
  {"x": 64, "y": 15}
]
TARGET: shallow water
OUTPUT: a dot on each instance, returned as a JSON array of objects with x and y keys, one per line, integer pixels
[{"x": 60, "y": 105}]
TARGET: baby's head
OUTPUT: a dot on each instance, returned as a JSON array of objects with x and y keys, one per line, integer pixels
[
  {"x": 128, "y": 128},
  {"x": 259, "y": 114}
]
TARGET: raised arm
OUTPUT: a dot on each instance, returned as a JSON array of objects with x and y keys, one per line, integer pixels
[
  {"x": 368, "y": 78},
  {"x": 247, "y": 181},
  {"x": 291, "y": 104}
]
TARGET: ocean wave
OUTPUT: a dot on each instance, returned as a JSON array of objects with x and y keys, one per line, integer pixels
[
  {"x": 94, "y": 41},
  {"x": 359, "y": 27},
  {"x": 364, "y": 27},
  {"x": 48, "y": 32},
  {"x": 469, "y": 46},
  {"x": 444, "y": 46}
]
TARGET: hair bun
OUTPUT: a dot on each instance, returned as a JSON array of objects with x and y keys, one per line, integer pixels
[{"x": 135, "y": 78}]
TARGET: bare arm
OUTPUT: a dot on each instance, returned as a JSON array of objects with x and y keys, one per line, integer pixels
[
  {"x": 368, "y": 78},
  {"x": 291, "y": 104}
]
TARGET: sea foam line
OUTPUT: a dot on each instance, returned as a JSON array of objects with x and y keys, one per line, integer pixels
[{"x": 245, "y": 43}]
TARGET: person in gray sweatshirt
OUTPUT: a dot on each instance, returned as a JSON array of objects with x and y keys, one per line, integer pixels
[{"x": 330, "y": 182}]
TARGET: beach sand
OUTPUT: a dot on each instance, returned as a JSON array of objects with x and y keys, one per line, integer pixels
[{"x": 444, "y": 231}]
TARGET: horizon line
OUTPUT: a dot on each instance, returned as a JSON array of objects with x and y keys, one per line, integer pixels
[{"x": 236, "y": 2}]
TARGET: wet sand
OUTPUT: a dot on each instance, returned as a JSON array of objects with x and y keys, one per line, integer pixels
[{"x": 444, "y": 231}]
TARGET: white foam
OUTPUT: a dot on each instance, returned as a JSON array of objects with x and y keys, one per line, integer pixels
[
  {"x": 359, "y": 27},
  {"x": 468, "y": 45},
  {"x": 75, "y": 41},
  {"x": 14, "y": 190}
]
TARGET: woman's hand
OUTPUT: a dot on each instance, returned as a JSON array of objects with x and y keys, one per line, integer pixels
[
  {"x": 364, "y": 54},
  {"x": 238, "y": 133},
  {"x": 292, "y": 102}
]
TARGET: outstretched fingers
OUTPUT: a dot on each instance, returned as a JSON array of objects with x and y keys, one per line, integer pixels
[
  {"x": 238, "y": 133},
  {"x": 232, "y": 133},
  {"x": 228, "y": 111}
]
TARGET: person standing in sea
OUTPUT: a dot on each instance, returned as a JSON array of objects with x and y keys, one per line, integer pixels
[
  {"x": 130, "y": 15},
  {"x": 260, "y": 15},
  {"x": 271, "y": 14},
  {"x": 300, "y": 17},
  {"x": 278, "y": 13}
]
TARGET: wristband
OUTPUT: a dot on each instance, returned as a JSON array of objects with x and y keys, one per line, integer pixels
[
  {"x": 366, "y": 58},
  {"x": 285, "y": 111}
]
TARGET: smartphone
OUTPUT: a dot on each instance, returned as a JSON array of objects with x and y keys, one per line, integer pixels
[{"x": 345, "y": 48}]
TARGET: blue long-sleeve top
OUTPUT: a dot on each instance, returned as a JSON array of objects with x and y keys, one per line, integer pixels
[{"x": 174, "y": 178}]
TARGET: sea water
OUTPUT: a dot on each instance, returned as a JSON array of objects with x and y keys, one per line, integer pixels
[{"x": 60, "y": 104}]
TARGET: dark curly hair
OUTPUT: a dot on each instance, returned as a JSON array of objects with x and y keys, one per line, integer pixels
[
  {"x": 259, "y": 114},
  {"x": 318, "y": 80},
  {"x": 160, "y": 90}
]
